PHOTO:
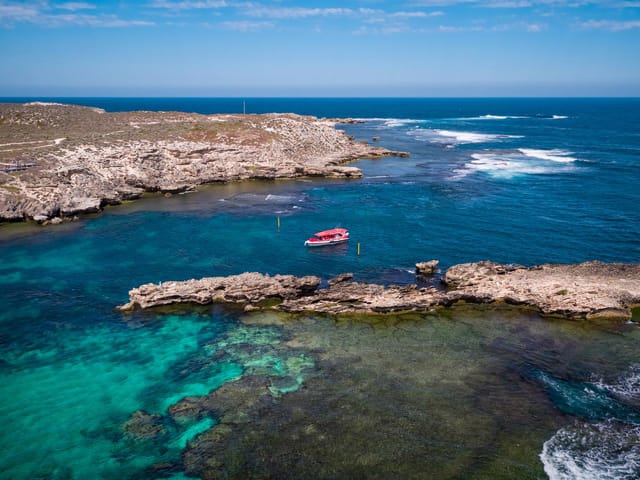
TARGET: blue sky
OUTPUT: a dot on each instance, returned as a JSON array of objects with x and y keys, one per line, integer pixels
[{"x": 325, "y": 48}]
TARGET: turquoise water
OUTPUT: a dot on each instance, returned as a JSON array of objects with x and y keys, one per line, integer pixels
[{"x": 519, "y": 181}]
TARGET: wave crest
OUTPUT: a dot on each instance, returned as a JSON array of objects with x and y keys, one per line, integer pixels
[
  {"x": 602, "y": 451},
  {"x": 554, "y": 155},
  {"x": 626, "y": 387},
  {"x": 511, "y": 163},
  {"x": 448, "y": 137}
]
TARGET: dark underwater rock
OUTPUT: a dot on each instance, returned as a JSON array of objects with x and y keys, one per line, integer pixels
[{"x": 144, "y": 426}]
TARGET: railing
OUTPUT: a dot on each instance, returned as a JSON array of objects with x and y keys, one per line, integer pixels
[{"x": 16, "y": 166}]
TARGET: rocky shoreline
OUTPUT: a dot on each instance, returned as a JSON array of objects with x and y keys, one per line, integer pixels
[
  {"x": 589, "y": 290},
  {"x": 57, "y": 161}
]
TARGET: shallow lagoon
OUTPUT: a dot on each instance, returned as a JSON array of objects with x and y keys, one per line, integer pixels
[{"x": 455, "y": 394}]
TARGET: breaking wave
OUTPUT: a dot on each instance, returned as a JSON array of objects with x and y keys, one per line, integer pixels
[
  {"x": 601, "y": 450},
  {"x": 450, "y": 137},
  {"x": 523, "y": 161},
  {"x": 626, "y": 387},
  {"x": 598, "y": 451},
  {"x": 511, "y": 117},
  {"x": 494, "y": 117},
  {"x": 391, "y": 122},
  {"x": 555, "y": 155}
]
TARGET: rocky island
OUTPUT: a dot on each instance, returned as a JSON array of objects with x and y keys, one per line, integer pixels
[
  {"x": 588, "y": 290},
  {"x": 57, "y": 160}
]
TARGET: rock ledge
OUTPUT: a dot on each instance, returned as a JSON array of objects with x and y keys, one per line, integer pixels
[{"x": 587, "y": 290}]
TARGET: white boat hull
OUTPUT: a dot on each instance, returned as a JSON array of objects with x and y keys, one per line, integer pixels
[{"x": 324, "y": 243}]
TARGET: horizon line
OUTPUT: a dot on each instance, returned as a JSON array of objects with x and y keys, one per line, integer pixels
[{"x": 367, "y": 97}]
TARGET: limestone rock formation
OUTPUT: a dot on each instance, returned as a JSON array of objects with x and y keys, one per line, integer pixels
[
  {"x": 248, "y": 288},
  {"x": 355, "y": 297},
  {"x": 61, "y": 160},
  {"x": 426, "y": 269},
  {"x": 587, "y": 290}
]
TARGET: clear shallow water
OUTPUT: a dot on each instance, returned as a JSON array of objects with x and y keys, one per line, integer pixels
[{"x": 522, "y": 181}]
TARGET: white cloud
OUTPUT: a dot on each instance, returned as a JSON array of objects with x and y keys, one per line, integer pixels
[
  {"x": 518, "y": 26},
  {"x": 296, "y": 12},
  {"x": 513, "y": 3},
  {"x": 509, "y": 4},
  {"x": 452, "y": 29},
  {"x": 389, "y": 22},
  {"x": 103, "y": 21},
  {"x": 441, "y": 3},
  {"x": 384, "y": 30},
  {"x": 370, "y": 11},
  {"x": 188, "y": 4},
  {"x": 416, "y": 14},
  {"x": 610, "y": 25},
  {"x": 73, "y": 6},
  {"x": 40, "y": 13},
  {"x": 247, "y": 26},
  {"x": 19, "y": 13}
]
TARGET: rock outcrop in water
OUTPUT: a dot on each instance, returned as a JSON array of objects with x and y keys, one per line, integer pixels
[
  {"x": 587, "y": 290},
  {"x": 57, "y": 161},
  {"x": 247, "y": 288}
]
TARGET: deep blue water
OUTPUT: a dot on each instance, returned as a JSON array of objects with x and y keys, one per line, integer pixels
[{"x": 512, "y": 180}]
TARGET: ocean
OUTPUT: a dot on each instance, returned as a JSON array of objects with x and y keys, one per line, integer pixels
[{"x": 468, "y": 393}]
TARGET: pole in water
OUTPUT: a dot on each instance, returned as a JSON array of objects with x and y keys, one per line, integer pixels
[
  {"x": 244, "y": 108},
  {"x": 278, "y": 222},
  {"x": 358, "y": 248}
]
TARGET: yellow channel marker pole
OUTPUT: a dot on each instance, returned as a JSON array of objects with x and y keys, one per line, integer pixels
[
  {"x": 358, "y": 248},
  {"x": 278, "y": 222}
]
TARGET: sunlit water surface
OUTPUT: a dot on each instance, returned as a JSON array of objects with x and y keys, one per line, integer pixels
[{"x": 491, "y": 393}]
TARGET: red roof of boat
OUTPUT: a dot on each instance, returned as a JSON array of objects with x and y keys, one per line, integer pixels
[{"x": 333, "y": 231}]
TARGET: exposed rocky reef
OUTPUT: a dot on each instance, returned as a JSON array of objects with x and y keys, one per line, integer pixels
[
  {"x": 248, "y": 288},
  {"x": 57, "y": 161},
  {"x": 587, "y": 290}
]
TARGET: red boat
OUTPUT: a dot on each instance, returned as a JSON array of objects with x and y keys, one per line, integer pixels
[{"x": 328, "y": 237}]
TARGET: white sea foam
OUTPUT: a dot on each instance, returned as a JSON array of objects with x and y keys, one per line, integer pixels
[
  {"x": 598, "y": 451},
  {"x": 559, "y": 117},
  {"x": 488, "y": 116},
  {"x": 510, "y": 163},
  {"x": 391, "y": 122},
  {"x": 494, "y": 117},
  {"x": 601, "y": 451},
  {"x": 626, "y": 387},
  {"x": 399, "y": 122},
  {"x": 555, "y": 155},
  {"x": 280, "y": 198},
  {"x": 467, "y": 137},
  {"x": 449, "y": 137}
]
